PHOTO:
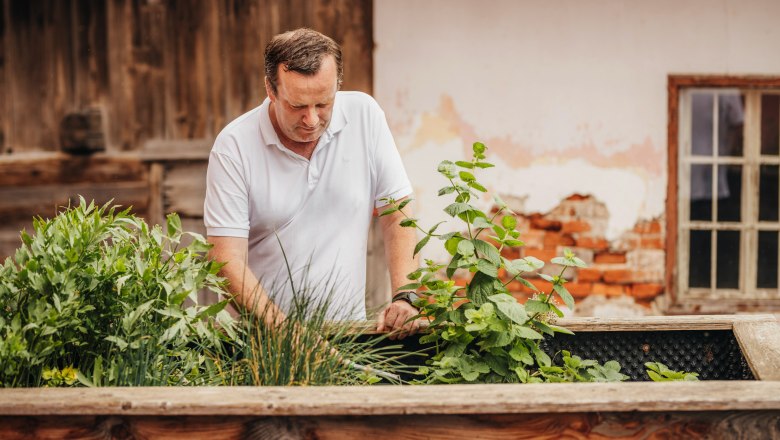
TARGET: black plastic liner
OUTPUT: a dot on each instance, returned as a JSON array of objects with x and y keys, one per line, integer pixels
[{"x": 714, "y": 354}]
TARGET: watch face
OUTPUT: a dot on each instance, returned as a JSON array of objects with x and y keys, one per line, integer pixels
[{"x": 408, "y": 296}]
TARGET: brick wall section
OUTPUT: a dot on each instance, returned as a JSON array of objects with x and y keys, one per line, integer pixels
[{"x": 632, "y": 264}]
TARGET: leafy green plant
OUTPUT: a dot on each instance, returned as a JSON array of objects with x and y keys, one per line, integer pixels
[
  {"x": 480, "y": 331},
  {"x": 575, "y": 369},
  {"x": 100, "y": 291},
  {"x": 659, "y": 372}
]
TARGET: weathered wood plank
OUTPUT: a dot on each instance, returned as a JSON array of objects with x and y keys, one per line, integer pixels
[
  {"x": 646, "y": 323},
  {"x": 36, "y": 62},
  {"x": 9, "y": 235},
  {"x": 185, "y": 189},
  {"x": 651, "y": 323},
  {"x": 760, "y": 343},
  {"x": 120, "y": 109},
  {"x": 177, "y": 150},
  {"x": 57, "y": 168},
  {"x": 609, "y": 425},
  {"x": 389, "y": 400},
  {"x": 149, "y": 72},
  {"x": 156, "y": 208},
  {"x": 5, "y": 107},
  {"x": 45, "y": 200}
]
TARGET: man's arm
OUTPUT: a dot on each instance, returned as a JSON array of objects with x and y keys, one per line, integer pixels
[
  {"x": 399, "y": 247},
  {"x": 244, "y": 286}
]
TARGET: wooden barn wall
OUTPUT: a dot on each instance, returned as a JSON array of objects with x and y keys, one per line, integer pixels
[{"x": 161, "y": 78}]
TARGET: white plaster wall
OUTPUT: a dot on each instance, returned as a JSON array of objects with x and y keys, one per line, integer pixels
[{"x": 568, "y": 95}]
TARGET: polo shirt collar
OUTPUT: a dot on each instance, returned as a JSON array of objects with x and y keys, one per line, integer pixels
[{"x": 338, "y": 121}]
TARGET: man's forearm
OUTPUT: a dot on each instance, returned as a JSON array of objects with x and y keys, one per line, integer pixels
[{"x": 242, "y": 283}]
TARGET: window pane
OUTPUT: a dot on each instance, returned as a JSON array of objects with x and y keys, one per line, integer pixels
[
  {"x": 701, "y": 192},
  {"x": 699, "y": 264},
  {"x": 701, "y": 124},
  {"x": 767, "y": 260},
  {"x": 770, "y": 118},
  {"x": 727, "y": 272},
  {"x": 731, "y": 119},
  {"x": 729, "y": 193},
  {"x": 767, "y": 193}
]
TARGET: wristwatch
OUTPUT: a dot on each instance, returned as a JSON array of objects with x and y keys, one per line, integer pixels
[{"x": 408, "y": 295}]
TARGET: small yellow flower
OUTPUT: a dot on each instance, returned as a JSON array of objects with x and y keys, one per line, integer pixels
[{"x": 69, "y": 375}]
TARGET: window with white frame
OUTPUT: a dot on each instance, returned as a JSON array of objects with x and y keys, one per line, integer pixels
[{"x": 728, "y": 198}]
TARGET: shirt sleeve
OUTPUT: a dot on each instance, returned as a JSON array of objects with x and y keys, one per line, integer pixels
[
  {"x": 226, "y": 208},
  {"x": 390, "y": 178}
]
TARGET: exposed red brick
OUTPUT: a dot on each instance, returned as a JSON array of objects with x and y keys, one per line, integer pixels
[
  {"x": 648, "y": 227},
  {"x": 539, "y": 222},
  {"x": 575, "y": 226},
  {"x": 588, "y": 275},
  {"x": 459, "y": 281},
  {"x": 579, "y": 289},
  {"x": 510, "y": 252},
  {"x": 646, "y": 303},
  {"x": 459, "y": 302},
  {"x": 578, "y": 197},
  {"x": 540, "y": 284},
  {"x": 609, "y": 258},
  {"x": 608, "y": 289},
  {"x": 554, "y": 239},
  {"x": 646, "y": 290},
  {"x": 543, "y": 254},
  {"x": 597, "y": 243},
  {"x": 619, "y": 276},
  {"x": 652, "y": 242},
  {"x": 533, "y": 238}
]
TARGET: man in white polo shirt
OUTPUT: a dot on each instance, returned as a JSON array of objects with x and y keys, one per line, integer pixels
[{"x": 299, "y": 177}]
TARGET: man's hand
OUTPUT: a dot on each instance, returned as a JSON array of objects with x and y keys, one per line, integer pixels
[{"x": 393, "y": 319}]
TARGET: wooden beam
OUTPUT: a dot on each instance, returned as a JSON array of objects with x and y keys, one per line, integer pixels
[
  {"x": 645, "y": 323},
  {"x": 35, "y": 169},
  {"x": 662, "y": 323},
  {"x": 394, "y": 400},
  {"x": 760, "y": 344},
  {"x": 177, "y": 150},
  {"x": 46, "y": 200}
]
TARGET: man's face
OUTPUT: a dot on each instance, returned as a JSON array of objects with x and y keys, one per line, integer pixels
[{"x": 302, "y": 107}]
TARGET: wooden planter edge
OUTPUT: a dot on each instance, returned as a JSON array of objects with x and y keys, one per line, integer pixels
[{"x": 758, "y": 336}]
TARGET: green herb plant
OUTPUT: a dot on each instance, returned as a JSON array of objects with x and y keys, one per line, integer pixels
[
  {"x": 576, "y": 369},
  {"x": 305, "y": 349},
  {"x": 659, "y": 372},
  {"x": 97, "y": 292},
  {"x": 481, "y": 333}
]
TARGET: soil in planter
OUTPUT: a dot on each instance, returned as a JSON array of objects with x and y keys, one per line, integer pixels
[{"x": 714, "y": 354}]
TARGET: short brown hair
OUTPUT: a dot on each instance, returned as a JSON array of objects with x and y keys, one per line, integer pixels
[{"x": 302, "y": 51}]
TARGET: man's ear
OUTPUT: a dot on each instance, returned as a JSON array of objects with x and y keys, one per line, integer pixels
[{"x": 269, "y": 91}]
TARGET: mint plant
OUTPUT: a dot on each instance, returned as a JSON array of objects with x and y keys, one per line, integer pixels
[
  {"x": 576, "y": 369},
  {"x": 659, "y": 372},
  {"x": 481, "y": 333}
]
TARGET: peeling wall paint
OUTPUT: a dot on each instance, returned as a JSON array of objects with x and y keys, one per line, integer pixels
[{"x": 569, "y": 96}]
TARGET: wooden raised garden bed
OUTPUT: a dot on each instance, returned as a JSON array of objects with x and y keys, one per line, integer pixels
[{"x": 748, "y": 407}]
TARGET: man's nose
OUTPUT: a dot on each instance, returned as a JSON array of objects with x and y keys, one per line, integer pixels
[{"x": 310, "y": 117}]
